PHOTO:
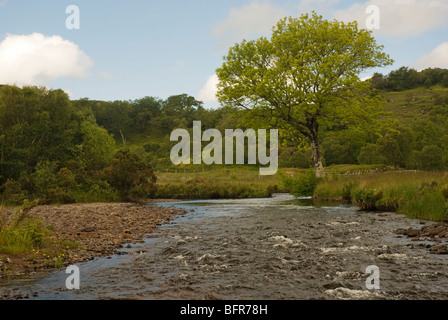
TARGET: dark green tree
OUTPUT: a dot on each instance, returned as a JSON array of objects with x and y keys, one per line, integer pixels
[{"x": 130, "y": 176}]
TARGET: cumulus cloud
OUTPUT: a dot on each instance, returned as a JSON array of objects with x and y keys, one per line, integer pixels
[
  {"x": 256, "y": 18},
  {"x": 208, "y": 92},
  {"x": 400, "y": 17},
  {"x": 437, "y": 58},
  {"x": 36, "y": 59}
]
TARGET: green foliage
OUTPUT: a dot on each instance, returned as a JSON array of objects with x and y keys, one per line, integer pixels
[
  {"x": 60, "y": 151},
  {"x": 22, "y": 232},
  {"x": 406, "y": 78},
  {"x": 130, "y": 176},
  {"x": 389, "y": 148},
  {"x": 303, "y": 185},
  {"x": 203, "y": 188},
  {"x": 365, "y": 199},
  {"x": 35, "y": 124},
  {"x": 420, "y": 195},
  {"x": 221, "y": 182},
  {"x": 295, "y": 159},
  {"x": 304, "y": 77},
  {"x": 426, "y": 202},
  {"x": 369, "y": 154},
  {"x": 429, "y": 158},
  {"x": 98, "y": 146}
]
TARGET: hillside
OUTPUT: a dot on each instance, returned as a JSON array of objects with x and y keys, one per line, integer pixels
[
  {"x": 414, "y": 139},
  {"x": 411, "y": 106}
]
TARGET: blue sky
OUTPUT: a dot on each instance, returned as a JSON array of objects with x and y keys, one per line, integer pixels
[{"x": 131, "y": 49}]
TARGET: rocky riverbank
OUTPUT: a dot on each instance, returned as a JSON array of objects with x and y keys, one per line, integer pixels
[
  {"x": 90, "y": 231},
  {"x": 261, "y": 249},
  {"x": 435, "y": 234}
]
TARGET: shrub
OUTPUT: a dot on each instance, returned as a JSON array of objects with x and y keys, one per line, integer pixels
[
  {"x": 303, "y": 185},
  {"x": 366, "y": 199},
  {"x": 130, "y": 176}
]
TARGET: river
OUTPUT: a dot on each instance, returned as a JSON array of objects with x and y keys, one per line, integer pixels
[{"x": 279, "y": 248}]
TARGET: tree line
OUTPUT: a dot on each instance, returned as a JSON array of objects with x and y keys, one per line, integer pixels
[
  {"x": 406, "y": 78},
  {"x": 53, "y": 149},
  {"x": 62, "y": 151},
  {"x": 58, "y": 150}
]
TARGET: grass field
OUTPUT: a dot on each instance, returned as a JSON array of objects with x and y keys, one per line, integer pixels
[
  {"x": 216, "y": 183},
  {"x": 417, "y": 194}
]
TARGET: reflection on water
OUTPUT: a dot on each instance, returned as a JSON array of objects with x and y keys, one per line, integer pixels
[{"x": 280, "y": 199}]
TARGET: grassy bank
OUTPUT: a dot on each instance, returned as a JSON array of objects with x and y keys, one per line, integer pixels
[
  {"x": 22, "y": 236},
  {"x": 417, "y": 194},
  {"x": 216, "y": 183}
]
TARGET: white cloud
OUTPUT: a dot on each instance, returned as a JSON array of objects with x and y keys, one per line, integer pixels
[
  {"x": 400, "y": 17},
  {"x": 437, "y": 58},
  {"x": 208, "y": 92},
  {"x": 256, "y": 18},
  {"x": 36, "y": 59}
]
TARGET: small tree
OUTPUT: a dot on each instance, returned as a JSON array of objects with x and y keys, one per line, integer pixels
[
  {"x": 130, "y": 176},
  {"x": 305, "y": 77},
  {"x": 98, "y": 146}
]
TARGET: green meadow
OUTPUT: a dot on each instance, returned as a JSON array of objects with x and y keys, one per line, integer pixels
[
  {"x": 217, "y": 182},
  {"x": 416, "y": 194}
]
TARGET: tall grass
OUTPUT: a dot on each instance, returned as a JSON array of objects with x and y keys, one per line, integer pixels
[
  {"x": 300, "y": 184},
  {"x": 417, "y": 194},
  {"x": 20, "y": 232}
]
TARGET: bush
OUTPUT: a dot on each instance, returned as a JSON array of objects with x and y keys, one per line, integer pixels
[
  {"x": 303, "y": 185},
  {"x": 366, "y": 199},
  {"x": 130, "y": 176}
]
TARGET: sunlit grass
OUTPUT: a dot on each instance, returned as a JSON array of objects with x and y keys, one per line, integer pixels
[
  {"x": 417, "y": 194},
  {"x": 23, "y": 234}
]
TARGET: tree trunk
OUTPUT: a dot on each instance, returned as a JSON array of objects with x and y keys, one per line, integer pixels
[
  {"x": 123, "y": 138},
  {"x": 316, "y": 157}
]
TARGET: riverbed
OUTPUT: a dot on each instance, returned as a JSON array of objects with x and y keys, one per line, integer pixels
[{"x": 278, "y": 248}]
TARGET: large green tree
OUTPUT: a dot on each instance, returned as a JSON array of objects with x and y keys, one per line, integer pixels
[
  {"x": 304, "y": 77},
  {"x": 36, "y": 124}
]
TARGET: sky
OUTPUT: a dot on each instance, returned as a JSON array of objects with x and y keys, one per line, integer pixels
[{"x": 126, "y": 50}]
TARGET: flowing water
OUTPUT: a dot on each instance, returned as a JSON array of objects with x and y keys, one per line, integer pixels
[{"x": 276, "y": 248}]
